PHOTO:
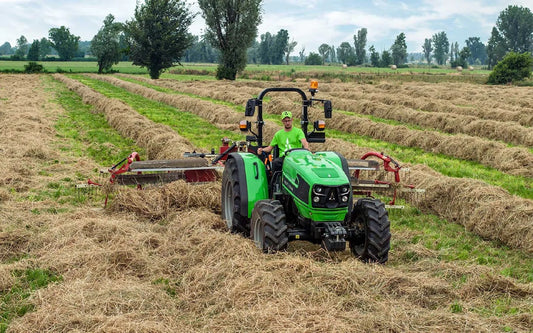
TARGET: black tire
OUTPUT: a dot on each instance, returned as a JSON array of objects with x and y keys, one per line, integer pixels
[
  {"x": 232, "y": 200},
  {"x": 268, "y": 227},
  {"x": 371, "y": 241}
]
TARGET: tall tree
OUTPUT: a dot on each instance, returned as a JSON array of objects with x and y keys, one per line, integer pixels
[
  {"x": 515, "y": 25},
  {"x": 478, "y": 51},
  {"x": 301, "y": 54},
  {"x": 231, "y": 28},
  {"x": 386, "y": 59},
  {"x": 202, "y": 51},
  {"x": 280, "y": 44},
  {"x": 324, "y": 50},
  {"x": 33, "y": 52},
  {"x": 332, "y": 54},
  {"x": 399, "y": 50},
  {"x": 496, "y": 48},
  {"x": 265, "y": 48},
  {"x": 344, "y": 52},
  {"x": 65, "y": 43},
  {"x": 22, "y": 47},
  {"x": 360, "y": 45},
  {"x": 105, "y": 44},
  {"x": 45, "y": 47},
  {"x": 462, "y": 57},
  {"x": 289, "y": 49},
  {"x": 441, "y": 46},
  {"x": 427, "y": 48},
  {"x": 374, "y": 56},
  {"x": 5, "y": 48},
  {"x": 159, "y": 34}
]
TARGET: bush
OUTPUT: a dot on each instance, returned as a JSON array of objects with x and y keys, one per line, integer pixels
[
  {"x": 514, "y": 67},
  {"x": 314, "y": 59},
  {"x": 33, "y": 67}
]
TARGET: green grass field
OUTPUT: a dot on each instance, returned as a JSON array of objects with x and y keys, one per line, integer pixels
[{"x": 266, "y": 72}]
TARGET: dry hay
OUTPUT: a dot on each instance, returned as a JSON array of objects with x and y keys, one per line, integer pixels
[
  {"x": 482, "y": 222},
  {"x": 157, "y": 203},
  {"x": 160, "y": 141},
  {"x": 124, "y": 273},
  {"x": 224, "y": 117},
  {"x": 216, "y": 90},
  {"x": 210, "y": 281},
  {"x": 486, "y": 210},
  {"x": 510, "y": 132},
  {"x": 514, "y": 161}
]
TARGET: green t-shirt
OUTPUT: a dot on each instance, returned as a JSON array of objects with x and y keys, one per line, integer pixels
[{"x": 287, "y": 140}]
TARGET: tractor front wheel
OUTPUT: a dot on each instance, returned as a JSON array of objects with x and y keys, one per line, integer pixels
[
  {"x": 370, "y": 241},
  {"x": 268, "y": 227},
  {"x": 232, "y": 199}
]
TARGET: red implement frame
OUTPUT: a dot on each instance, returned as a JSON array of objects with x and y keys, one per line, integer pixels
[{"x": 387, "y": 161}]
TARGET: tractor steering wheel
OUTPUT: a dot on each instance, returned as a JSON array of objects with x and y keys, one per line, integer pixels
[{"x": 293, "y": 149}]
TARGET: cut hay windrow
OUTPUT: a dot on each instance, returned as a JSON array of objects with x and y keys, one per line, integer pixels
[
  {"x": 509, "y": 132},
  {"x": 496, "y": 127},
  {"x": 219, "y": 115},
  {"x": 487, "y": 210},
  {"x": 512, "y": 234},
  {"x": 514, "y": 161},
  {"x": 160, "y": 141},
  {"x": 122, "y": 274},
  {"x": 482, "y": 103},
  {"x": 158, "y": 203},
  {"x": 473, "y": 96},
  {"x": 217, "y": 90}
]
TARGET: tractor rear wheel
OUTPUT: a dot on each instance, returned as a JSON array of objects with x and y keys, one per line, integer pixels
[
  {"x": 268, "y": 227},
  {"x": 371, "y": 240},
  {"x": 232, "y": 199}
]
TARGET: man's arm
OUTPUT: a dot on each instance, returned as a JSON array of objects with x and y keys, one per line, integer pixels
[
  {"x": 305, "y": 144},
  {"x": 266, "y": 149}
]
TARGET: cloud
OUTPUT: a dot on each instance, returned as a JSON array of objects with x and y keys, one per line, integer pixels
[{"x": 309, "y": 22}]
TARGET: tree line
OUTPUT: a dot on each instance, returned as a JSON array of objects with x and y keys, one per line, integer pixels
[{"x": 157, "y": 37}]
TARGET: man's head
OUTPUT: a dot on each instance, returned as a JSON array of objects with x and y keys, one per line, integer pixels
[{"x": 286, "y": 118}]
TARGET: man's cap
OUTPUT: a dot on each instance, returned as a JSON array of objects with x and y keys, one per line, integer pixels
[{"x": 286, "y": 114}]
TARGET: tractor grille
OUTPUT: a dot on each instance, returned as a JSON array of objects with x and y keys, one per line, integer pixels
[{"x": 330, "y": 197}]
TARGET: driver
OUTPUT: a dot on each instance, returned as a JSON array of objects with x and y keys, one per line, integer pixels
[{"x": 287, "y": 138}]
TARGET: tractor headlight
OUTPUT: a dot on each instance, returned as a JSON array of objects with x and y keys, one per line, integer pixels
[
  {"x": 319, "y": 189},
  {"x": 344, "y": 198},
  {"x": 316, "y": 199}
]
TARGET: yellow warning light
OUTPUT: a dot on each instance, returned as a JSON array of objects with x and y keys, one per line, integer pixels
[
  {"x": 243, "y": 125},
  {"x": 314, "y": 85},
  {"x": 321, "y": 125}
]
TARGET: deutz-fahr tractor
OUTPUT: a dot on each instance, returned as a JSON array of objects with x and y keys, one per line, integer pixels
[{"x": 312, "y": 198}]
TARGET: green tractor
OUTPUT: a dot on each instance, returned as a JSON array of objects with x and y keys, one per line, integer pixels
[{"x": 310, "y": 199}]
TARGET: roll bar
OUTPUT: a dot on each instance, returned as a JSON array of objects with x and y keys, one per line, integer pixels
[{"x": 306, "y": 103}]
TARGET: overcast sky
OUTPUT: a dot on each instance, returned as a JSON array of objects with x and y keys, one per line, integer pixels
[{"x": 310, "y": 23}]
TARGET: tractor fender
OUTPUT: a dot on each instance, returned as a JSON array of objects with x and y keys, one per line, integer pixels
[{"x": 252, "y": 173}]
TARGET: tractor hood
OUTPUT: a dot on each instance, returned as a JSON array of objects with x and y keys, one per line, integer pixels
[
  {"x": 320, "y": 168},
  {"x": 318, "y": 183}
]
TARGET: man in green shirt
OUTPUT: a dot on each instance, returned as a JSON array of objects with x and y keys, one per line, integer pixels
[{"x": 288, "y": 138}]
